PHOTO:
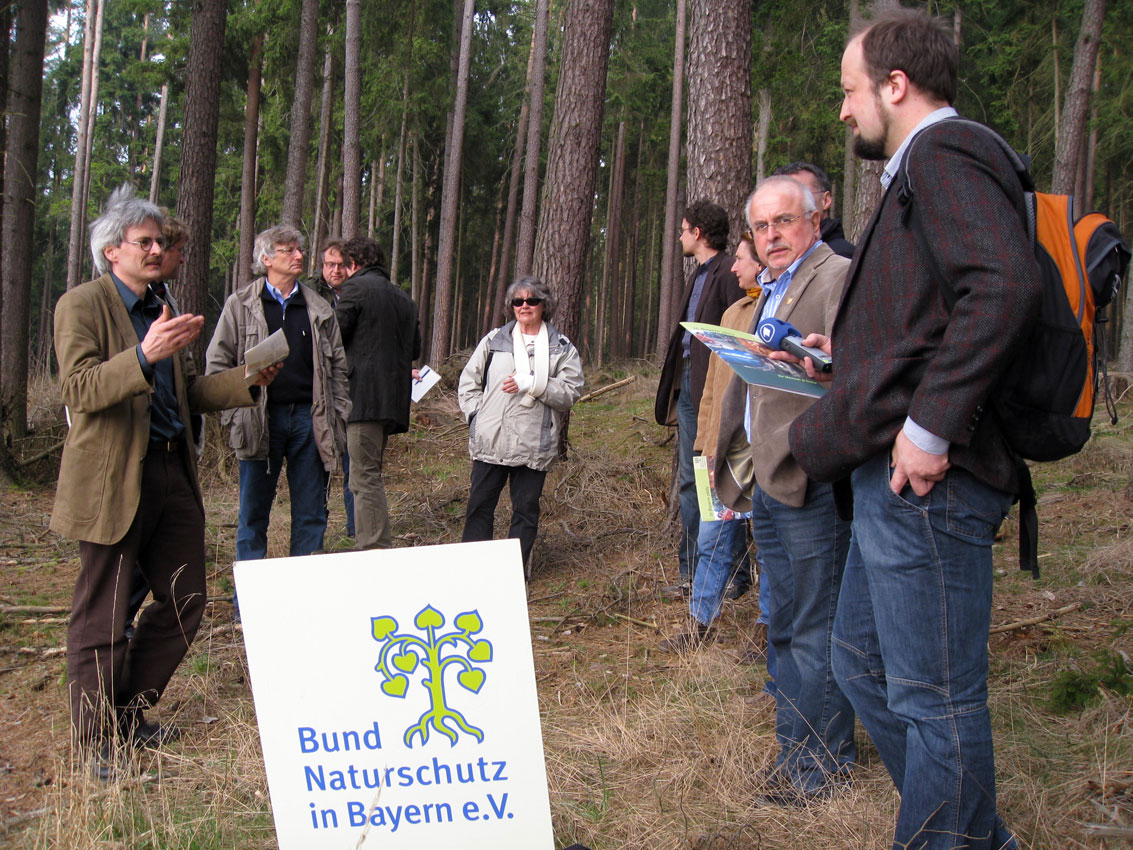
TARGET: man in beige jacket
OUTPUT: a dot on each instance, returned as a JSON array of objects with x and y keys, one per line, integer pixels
[
  {"x": 128, "y": 487},
  {"x": 802, "y": 543}
]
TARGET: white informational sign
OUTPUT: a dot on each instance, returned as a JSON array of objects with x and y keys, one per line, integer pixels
[{"x": 395, "y": 695}]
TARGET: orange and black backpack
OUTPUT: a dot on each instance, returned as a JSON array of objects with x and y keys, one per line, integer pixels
[{"x": 1045, "y": 399}]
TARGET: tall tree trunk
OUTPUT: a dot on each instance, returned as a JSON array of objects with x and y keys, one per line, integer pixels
[
  {"x": 719, "y": 107},
  {"x": 198, "y": 152},
  {"x": 81, "y": 175},
  {"x": 424, "y": 294},
  {"x": 1089, "y": 161},
  {"x": 248, "y": 172},
  {"x": 322, "y": 164},
  {"x": 93, "y": 114},
  {"x": 486, "y": 298},
  {"x": 567, "y": 210},
  {"x": 607, "y": 325},
  {"x": 536, "y": 75},
  {"x": 414, "y": 224},
  {"x": 849, "y": 183},
  {"x": 374, "y": 179},
  {"x": 136, "y": 127},
  {"x": 868, "y": 178},
  {"x": 523, "y": 125},
  {"x": 1072, "y": 130},
  {"x": 670, "y": 260},
  {"x": 299, "y": 136},
  {"x": 762, "y": 134},
  {"x": 442, "y": 305},
  {"x": 351, "y": 121},
  {"x": 500, "y": 284},
  {"x": 395, "y": 239},
  {"x": 1057, "y": 79},
  {"x": 43, "y": 341},
  {"x": 25, "y": 89},
  {"x": 159, "y": 144}
]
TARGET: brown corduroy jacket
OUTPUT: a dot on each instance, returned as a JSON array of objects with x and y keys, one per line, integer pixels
[{"x": 108, "y": 398}]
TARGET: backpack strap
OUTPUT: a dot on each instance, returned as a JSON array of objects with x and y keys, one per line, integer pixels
[{"x": 906, "y": 192}]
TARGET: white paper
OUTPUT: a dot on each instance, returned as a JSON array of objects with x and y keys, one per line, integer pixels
[
  {"x": 426, "y": 382},
  {"x": 265, "y": 353}
]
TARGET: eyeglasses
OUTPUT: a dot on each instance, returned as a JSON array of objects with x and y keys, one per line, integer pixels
[
  {"x": 334, "y": 265},
  {"x": 532, "y": 302},
  {"x": 287, "y": 250},
  {"x": 779, "y": 222},
  {"x": 146, "y": 243}
]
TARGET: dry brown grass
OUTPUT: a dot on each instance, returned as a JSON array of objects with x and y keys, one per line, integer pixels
[{"x": 643, "y": 749}]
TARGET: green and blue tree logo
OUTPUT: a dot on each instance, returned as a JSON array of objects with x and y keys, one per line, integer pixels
[{"x": 403, "y": 654}]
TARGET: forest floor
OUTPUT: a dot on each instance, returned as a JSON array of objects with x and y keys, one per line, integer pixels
[{"x": 643, "y": 749}]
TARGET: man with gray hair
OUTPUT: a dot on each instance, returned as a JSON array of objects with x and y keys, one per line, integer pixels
[
  {"x": 128, "y": 487},
  {"x": 801, "y": 540},
  {"x": 302, "y": 419}
]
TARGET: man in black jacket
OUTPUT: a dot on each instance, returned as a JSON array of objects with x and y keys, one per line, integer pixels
[
  {"x": 382, "y": 338},
  {"x": 815, "y": 179},
  {"x": 711, "y": 289}
]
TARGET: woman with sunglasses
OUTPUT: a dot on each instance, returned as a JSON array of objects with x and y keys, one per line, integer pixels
[{"x": 515, "y": 393}]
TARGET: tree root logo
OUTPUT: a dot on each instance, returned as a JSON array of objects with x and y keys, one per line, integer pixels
[{"x": 403, "y": 654}]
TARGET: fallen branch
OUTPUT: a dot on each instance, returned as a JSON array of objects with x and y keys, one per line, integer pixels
[
  {"x": 1034, "y": 621},
  {"x": 641, "y": 623},
  {"x": 40, "y": 455},
  {"x": 34, "y": 609},
  {"x": 115, "y": 787},
  {"x": 44, "y": 654},
  {"x": 607, "y": 388},
  {"x": 1102, "y": 830},
  {"x": 45, "y": 621}
]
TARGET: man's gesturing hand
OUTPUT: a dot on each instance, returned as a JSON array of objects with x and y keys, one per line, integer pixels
[{"x": 169, "y": 334}]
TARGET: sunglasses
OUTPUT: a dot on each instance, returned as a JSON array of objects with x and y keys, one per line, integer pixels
[{"x": 531, "y": 302}]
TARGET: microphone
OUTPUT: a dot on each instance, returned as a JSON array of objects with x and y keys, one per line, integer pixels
[{"x": 777, "y": 334}]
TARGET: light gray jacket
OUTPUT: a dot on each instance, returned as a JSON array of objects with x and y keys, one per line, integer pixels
[
  {"x": 500, "y": 429},
  {"x": 242, "y": 325}
]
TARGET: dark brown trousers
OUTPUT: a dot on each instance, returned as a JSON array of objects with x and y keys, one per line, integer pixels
[{"x": 108, "y": 675}]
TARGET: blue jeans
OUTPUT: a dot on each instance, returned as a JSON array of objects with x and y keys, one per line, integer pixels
[
  {"x": 720, "y": 546},
  {"x": 910, "y": 650},
  {"x": 290, "y": 438},
  {"x": 347, "y": 495},
  {"x": 803, "y": 552},
  {"x": 690, "y": 507},
  {"x": 765, "y": 618}
]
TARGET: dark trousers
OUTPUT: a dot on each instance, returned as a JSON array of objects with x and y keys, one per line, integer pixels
[
  {"x": 107, "y": 674},
  {"x": 488, "y": 480}
]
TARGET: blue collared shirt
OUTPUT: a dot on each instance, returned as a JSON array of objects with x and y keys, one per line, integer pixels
[
  {"x": 694, "y": 302},
  {"x": 777, "y": 288},
  {"x": 165, "y": 413},
  {"x": 277, "y": 295}
]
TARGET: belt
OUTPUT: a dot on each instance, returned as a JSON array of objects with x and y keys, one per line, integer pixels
[{"x": 165, "y": 446}]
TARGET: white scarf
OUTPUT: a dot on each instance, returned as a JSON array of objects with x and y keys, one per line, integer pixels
[{"x": 538, "y": 371}]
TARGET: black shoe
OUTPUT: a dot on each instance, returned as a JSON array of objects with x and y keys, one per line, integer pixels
[
  {"x": 780, "y": 791},
  {"x": 142, "y": 733},
  {"x": 103, "y": 765},
  {"x": 688, "y": 641},
  {"x": 678, "y": 591},
  {"x": 736, "y": 590}
]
